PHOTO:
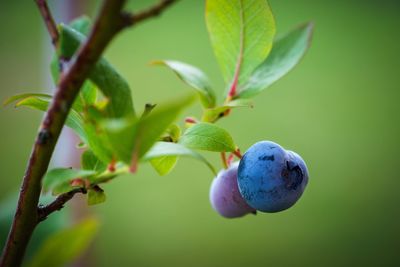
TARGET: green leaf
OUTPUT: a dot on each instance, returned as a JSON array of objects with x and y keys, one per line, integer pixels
[
  {"x": 195, "y": 78},
  {"x": 164, "y": 165},
  {"x": 81, "y": 24},
  {"x": 213, "y": 114},
  {"x": 89, "y": 161},
  {"x": 207, "y": 136},
  {"x": 97, "y": 135},
  {"x": 86, "y": 97},
  {"x": 103, "y": 75},
  {"x": 174, "y": 132},
  {"x": 19, "y": 97},
  {"x": 241, "y": 33},
  {"x": 95, "y": 196},
  {"x": 67, "y": 245},
  {"x": 58, "y": 180},
  {"x": 129, "y": 135},
  {"x": 163, "y": 149},
  {"x": 285, "y": 55},
  {"x": 41, "y": 102},
  {"x": 34, "y": 103}
]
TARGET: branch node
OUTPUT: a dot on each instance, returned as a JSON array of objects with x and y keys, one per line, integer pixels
[{"x": 45, "y": 210}]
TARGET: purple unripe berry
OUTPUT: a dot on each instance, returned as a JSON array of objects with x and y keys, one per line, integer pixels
[{"x": 225, "y": 197}]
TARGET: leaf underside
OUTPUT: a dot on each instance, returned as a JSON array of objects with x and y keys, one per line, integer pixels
[
  {"x": 241, "y": 33},
  {"x": 285, "y": 55}
]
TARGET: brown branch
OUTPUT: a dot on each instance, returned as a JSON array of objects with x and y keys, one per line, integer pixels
[
  {"x": 153, "y": 11},
  {"x": 109, "y": 22},
  {"x": 48, "y": 20},
  {"x": 58, "y": 203},
  {"x": 107, "y": 25}
]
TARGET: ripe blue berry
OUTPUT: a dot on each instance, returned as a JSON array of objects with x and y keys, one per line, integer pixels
[
  {"x": 224, "y": 194},
  {"x": 271, "y": 179}
]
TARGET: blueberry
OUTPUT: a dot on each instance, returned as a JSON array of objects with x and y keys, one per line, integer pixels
[
  {"x": 271, "y": 179},
  {"x": 225, "y": 197}
]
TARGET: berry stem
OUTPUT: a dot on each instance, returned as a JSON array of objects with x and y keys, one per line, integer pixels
[
  {"x": 230, "y": 159},
  {"x": 237, "y": 153},
  {"x": 224, "y": 161}
]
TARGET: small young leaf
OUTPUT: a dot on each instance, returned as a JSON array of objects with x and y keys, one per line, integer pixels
[
  {"x": 65, "y": 246},
  {"x": 41, "y": 102},
  {"x": 103, "y": 75},
  {"x": 17, "y": 98},
  {"x": 89, "y": 161},
  {"x": 130, "y": 135},
  {"x": 174, "y": 132},
  {"x": 241, "y": 33},
  {"x": 98, "y": 143},
  {"x": 162, "y": 149},
  {"x": 164, "y": 165},
  {"x": 81, "y": 24},
  {"x": 195, "y": 78},
  {"x": 95, "y": 196},
  {"x": 58, "y": 180},
  {"x": 86, "y": 97},
  {"x": 285, "y": 55},
  {"x": 33, "y": 102},
  {"x": 207, "y": 136},
  {"x": 213, "y": 114}
]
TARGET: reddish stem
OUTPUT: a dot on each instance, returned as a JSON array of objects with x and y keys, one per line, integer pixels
[
  {"x": 190, "y": 120},
  {"x": 237, "y": 153},
  {"x": 111, "y": 166},
  {"x": 230, "y": 159}
]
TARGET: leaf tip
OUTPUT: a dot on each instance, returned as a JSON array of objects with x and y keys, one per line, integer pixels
[{"x": 156, "y": 62}]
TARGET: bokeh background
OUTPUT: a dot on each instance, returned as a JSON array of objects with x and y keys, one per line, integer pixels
[{"x": 339, "y": 109}]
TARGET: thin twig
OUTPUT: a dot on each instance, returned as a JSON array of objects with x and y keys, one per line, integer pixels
[
  {"x": 150, "y": 12},
  {"x": 48, "y": 20},
  {"x": 58, "y": 203}
]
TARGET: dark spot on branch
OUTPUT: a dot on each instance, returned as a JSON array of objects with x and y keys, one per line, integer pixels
[{"x": 43, "y": 137}]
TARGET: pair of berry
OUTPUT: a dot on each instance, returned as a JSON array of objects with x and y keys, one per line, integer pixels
[{"x": 268, "y": 178}]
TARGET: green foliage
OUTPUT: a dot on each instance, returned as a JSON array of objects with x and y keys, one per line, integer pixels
[
  {"x": 104, "y": 76},
  {"x": 21, "y": 97},
  {"x": 67, "y": 245},
  {"x": 207, "y": 136},
  {"x": 86, "y": 97},
  {"x": 241, "y": 33},
  {"x": 116, "y": 139},
  {"x": 41, "y": 102},
  {"x": 285, "y": 55},
  {"x": 195, "y": 78},
  {"x": 161, "y": 149},
  {"x": 81, "y": 24},
  {"x": 89, "y": 161},
  {"x": 173, "y": 133},
  {"x": 164, "y": 165},
  {"x": 95, "y": 196},
  {"x": 213, "y": 114},
  {"x": 134, "y": 137},
  {"x": 59, "y": 180}
]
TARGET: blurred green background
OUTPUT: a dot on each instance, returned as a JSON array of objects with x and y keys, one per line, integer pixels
[{"x": 339, "y": 109}]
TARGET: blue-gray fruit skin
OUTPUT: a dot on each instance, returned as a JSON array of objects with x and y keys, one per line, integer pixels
[
  {"x": 270, "y": 178},
  {"x": 225, "y": 197}
]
